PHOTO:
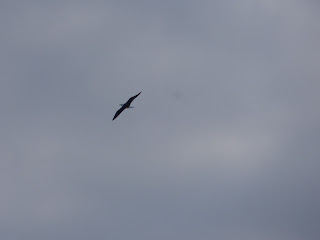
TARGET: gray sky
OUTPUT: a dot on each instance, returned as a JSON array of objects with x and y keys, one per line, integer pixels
[{"x": 223, "y": 142}]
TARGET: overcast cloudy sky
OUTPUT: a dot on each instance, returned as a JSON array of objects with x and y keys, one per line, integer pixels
[{"x": 223, "y": 142}]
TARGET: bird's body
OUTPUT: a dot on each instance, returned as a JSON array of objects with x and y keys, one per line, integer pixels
[{"x": 124, "y": 106}]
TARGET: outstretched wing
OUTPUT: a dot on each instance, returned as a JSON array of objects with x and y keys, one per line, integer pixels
[
  {"x": 132, "y": 98},
  {"x": 118, "y": 112}
]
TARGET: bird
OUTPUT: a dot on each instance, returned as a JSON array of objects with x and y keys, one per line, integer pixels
[{"x": 124, "y": 106}]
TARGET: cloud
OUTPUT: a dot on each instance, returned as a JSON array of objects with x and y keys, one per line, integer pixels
[{"x": 222, "y": 142}]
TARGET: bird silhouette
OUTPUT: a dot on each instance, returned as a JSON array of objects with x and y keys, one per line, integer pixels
[{"x": 124, "y": 106}]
